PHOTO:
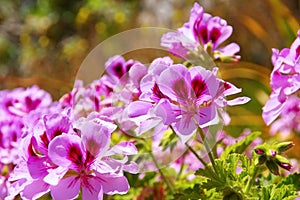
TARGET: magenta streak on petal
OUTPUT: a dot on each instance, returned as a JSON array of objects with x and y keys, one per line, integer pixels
[
  {"x": 118, "y": 69},
  {"x": 96, "y": 104},
  {"x": 198, "y": 86},
  {"x": 297, "y": 52},
  {"x": 31, "y": 104},
  {"x": 92, "y": 151},
  {"x": 75, "y": 155},
  {"x": 85, "y": 183},
  {"x": 73, "y": 182},
  {"x": 180, "y": 88},
  {"x": 157, "y": 92},
  {"x": 203, "y": 33},
  {"x": 31, "y": 150},
  {"x": 45, "y": 139},
  {"x": 215, "y": 34}
]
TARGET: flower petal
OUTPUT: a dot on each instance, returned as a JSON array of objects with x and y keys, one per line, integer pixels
[
  {"x": 67, "y": 188},
  {"x": 89, "y": 194},
  {"x": 61, "y": 148},
  {"x": 113, "y": 184},
  {"x": 35, "y": 190}
]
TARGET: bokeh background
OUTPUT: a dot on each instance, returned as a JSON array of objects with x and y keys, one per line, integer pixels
[{"x": 44, "y": 42}]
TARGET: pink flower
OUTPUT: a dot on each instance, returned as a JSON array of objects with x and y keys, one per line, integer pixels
[
  {"x": 288, "y": 121},
  {"x": 88, "y": 167},
  {"x": 285, "y": 79},
  {"x": 202, "y": 30},
  {"x": 20, "y": 102},
  {"x": 198, "y": 94},
  {"x": 59, "y": 153},
  {"x": 183, "y": 98}
]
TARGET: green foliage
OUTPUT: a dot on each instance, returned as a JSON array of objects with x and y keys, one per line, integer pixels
[
  {"x": 169, "y": 140},
  {"x": 273, "y": 192},
  {"x": 224, "y": 178},
  {"x": 241, "y": 145}
]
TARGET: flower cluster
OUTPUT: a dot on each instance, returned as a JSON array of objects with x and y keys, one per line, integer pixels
[
  {"x": 202, "y": 32},
  {"x": 67, "y": 148},
  {"x": 285, "y": 83},
  {"x": 270, "y": 155},
  {"x": 58, "y": 153},
  {"x": 44, "y": 149},
  {"x": 180, "y": 97}
]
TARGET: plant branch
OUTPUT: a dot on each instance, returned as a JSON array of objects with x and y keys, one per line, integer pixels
[{"x": 207, "y": 149}]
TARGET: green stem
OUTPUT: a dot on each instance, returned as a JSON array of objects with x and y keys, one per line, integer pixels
[
  {"x": 162, "y": 174},
  {"x": 252, "y": 179},
  {"x": 192, "y": 150},
  {"x": 207, "y": 149},
  {"x": 195, "y": 154},
  {"x": 181, "y": 167}
]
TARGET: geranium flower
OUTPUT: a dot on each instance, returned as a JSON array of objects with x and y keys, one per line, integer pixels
[
  {"x": 184, "y": 98},
  {"x": 285, "y": 79},
  {"x": 20, "y": 101},
  {"x": 82, "y": 156},
  {"x": 57, "y": 150},
  {"x": 288, "y": 121},
  {"x": 198, "y": 94},
  {"x": 18, "y": 108},
  {"x": 202, "y": 31}
]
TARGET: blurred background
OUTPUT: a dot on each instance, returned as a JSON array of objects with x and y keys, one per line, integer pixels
[{"x": 44, "y": 42}]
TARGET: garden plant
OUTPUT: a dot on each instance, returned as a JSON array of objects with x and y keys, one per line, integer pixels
[{"x": 155, "y": 131}]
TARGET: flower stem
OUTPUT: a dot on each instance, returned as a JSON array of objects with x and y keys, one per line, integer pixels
[
  {"x": 181, "y": 167},
  {"x": 195, "y": 154},
  {"x": 252, "y": 179},
  {"x": 207, "y": 149},
  {"x": 162, "y": 174}
]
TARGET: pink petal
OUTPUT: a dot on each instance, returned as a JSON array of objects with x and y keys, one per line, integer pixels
[
  {"x": 92, "y": 194},
  {"x": 238, "y": 101},
  {"x": 165, "y": 110},
  {"x": 185, "y": 128},
  {"x": 67, "y": 188},
  {"x": 174, "y": 83},
  {"x": 96, "y": 137},
  {"x": 138, "y": 108},
  {"x": 59, "y": 149},
  {"x": 113, "y": 184},
  {"x": 35, "y": 190},
  {"x": 124, "y": 148},
  {"x": 136, "y": 73},
  {"x": 55, "y": 175}
]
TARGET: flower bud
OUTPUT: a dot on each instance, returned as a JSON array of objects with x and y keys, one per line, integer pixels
[
  {"x": 286, "y": 166},
  {"x": 259, "y": 151},
  {"x": 283, "y": 162},
  {"x": 284, "y": 146}
]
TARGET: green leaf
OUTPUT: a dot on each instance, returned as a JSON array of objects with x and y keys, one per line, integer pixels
[
  {"x": 292, "y": 179},
  {"x": 196, "y": 193},
  {"x": 273, "y": 192},
  {"x": 241, "y": 145},
  {"x": 226, "y": 179},
  {"x": 169, "y": 140}
]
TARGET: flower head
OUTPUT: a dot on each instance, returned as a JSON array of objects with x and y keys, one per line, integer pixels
[
  {"x": 285, "y": 80},
  {"x": 202, "y": 31},
  {"x": 270, "y": 155}
]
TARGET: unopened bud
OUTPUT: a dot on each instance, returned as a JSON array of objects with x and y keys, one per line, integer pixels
[
  {"x": 283, "y": 162},
  {"x": 286, "y": 166},
  {"x": 259, "y": 151},
  {"x": 284, "y": 146}
]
